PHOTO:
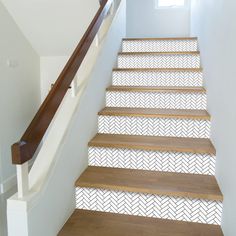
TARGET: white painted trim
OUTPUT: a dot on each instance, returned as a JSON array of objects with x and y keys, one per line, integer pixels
[{"x": 22, "y": 172}]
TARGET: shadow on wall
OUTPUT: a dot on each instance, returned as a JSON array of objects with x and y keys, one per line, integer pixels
[{"x": 214, "y": 24}]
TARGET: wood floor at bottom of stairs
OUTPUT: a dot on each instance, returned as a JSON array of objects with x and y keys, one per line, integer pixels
[{"x": 90, "y": 223}]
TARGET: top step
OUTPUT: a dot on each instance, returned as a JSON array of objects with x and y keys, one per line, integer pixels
[{"x": 159, "y": 44}]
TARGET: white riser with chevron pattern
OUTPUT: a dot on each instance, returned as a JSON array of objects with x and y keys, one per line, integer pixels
[
  {"x": 159, "y": 61},
  {"x": 192, "y": 163},
  {"x": 159, "y": 45},
  {"x": 149, "y": 205},
  {"x": 157, "y": 78},
  {"x": 169, "y": 100},
  {"x": 192, "y": 128}
]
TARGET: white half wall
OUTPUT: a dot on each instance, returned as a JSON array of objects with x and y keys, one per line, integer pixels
[
  {"x": 55, "y": 201},
  {"x": 143, "y": 20},
  {"x": 213, "y": 22},
  {"x": 19, "y": 98}
]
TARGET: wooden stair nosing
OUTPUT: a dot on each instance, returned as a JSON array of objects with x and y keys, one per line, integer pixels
[
  {"x": 154, "y": 143},
  {"x": 88, "y": 223},
  {"x": 174, "y": 38},
  {"x": 155, "y": 113},
  {"x": 160, "y": 53},
  {"x": 159, "y": 69},
  {"x": 151, "y": 182},
  {"x": 156, "y": 89}
]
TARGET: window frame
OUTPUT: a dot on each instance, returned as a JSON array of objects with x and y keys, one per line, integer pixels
[{"x": 156, "y": 2}]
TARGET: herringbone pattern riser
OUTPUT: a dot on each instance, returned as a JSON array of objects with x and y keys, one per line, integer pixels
[
  {"x": 154, "y": 126},
  {"x": 157, "y": 78},
  {"x": 159, "y": 45},
  {"x": 156, "y": 100},
  {"x": 159, "y": 61},
  {"x": 192, "y": 163},
  {"x": 149, "y": 205}
]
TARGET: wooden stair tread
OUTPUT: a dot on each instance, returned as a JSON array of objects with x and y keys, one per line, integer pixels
[
  {"x": 175, "y": 38},
  {"x": 151, "y": 182},
  {"x": 159, "y": 53},
  {"x": 156, "y": 89},
  {"x": 91, "y": 223},
  {"x": 156, "y": 143},
  {"x": 159, "y": 69},
  {"x": 154, "y": 112}
]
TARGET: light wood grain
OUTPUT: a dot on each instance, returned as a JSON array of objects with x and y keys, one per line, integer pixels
[
  {"x": 157, "y": 89},
  {"x": 151, "y": 182},
  {"x": 91, "y": 223},
  {"x": 141, "y": 39},
  {"x": 155, "y": 143},
  {"x": 155, "y": 113}
]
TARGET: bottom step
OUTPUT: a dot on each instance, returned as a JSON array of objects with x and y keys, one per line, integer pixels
[
  {"x": 90, "y": 223},
  {"x": 174, "y": 196}
]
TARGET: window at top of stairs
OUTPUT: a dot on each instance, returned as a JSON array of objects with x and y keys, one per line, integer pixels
[{"x": 169, "y": 3}]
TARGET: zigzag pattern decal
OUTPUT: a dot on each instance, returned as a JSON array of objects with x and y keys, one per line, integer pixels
[
  {"x": 156, "y": 100},
  {"x": 159, "y": 61},
  {"x": 157, "y": 78},
  {"x": 180, "y": 162},
  {"x": 159, "y": 45},
  {"x": 154, "y": 126},
  {"x": 149, "y": 205}
]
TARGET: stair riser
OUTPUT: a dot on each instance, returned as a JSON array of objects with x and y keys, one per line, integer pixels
[
  {"x": 157, "y": 78},
  {"x": 159, "y": 61},
  {"x": 159, "y": 45},
  {"x": 154, "y": 126},
  {"x": 180, "y": 162},
  {"x": 156, "y": 100},
  {"x": 149, "y": 205}
]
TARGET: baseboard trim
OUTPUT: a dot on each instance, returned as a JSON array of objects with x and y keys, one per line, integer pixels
[
  {"x": 11, "y": 182},
  {"x": 8, "y": 184}
]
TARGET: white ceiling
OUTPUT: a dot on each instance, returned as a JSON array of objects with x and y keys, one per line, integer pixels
[{"x": 53, "y": 27}]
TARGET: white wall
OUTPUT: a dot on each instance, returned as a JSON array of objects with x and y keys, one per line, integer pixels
[
  {"x": 50, "y": 69},
  {"x": 214, "y": 23},
  {"x": 53, "y": 27},
  {"x": 19, "y": 93},
  {"x": 143, "y": 20}
]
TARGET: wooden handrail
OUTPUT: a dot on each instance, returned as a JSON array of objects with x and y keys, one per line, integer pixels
[{"x": 24, "y": 150}]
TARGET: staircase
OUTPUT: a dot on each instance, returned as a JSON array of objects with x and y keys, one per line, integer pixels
[{"x": 152, "y": 164}]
